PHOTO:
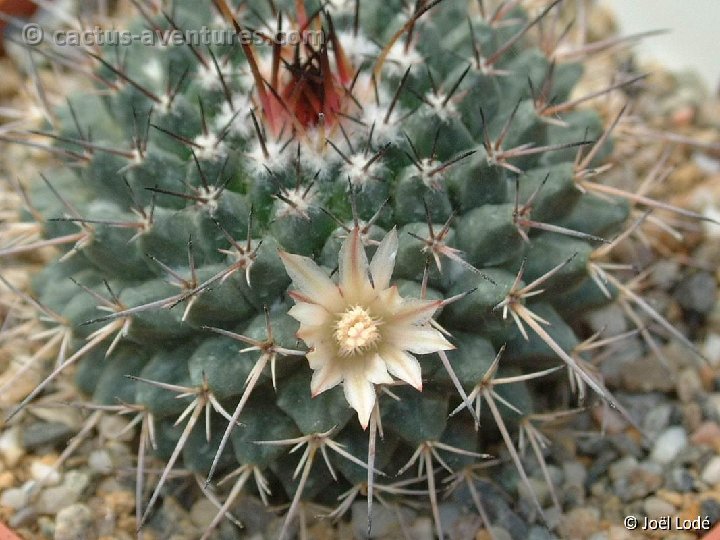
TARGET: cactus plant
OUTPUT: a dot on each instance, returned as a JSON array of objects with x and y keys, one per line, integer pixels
[{"x": 344, "y": 243}]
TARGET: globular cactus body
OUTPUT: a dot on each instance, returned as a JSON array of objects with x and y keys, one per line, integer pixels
[{"x": 409, "y": 150}]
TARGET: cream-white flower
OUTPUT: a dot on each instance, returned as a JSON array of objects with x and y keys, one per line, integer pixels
[{"x": 360, "y": 331}]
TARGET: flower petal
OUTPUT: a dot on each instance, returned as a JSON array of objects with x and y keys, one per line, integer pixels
[
  {"x": 325, "y": 378},
  {"x": 309, "y": 278},
  {"x": 415, "y": 311},
  {"x": 320, "y": 356},
  {"x": 360, "y": 395},
  {"x": 402, "y": 365},
  {"x": 376, "y": 370},
  {"x": 309, "y": 314},
  {"x": 353, "y": 269},
  {"x": 383, "y": 262},
  {"x": 418, "y": 340}
]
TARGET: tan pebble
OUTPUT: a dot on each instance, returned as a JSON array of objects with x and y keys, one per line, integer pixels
[
  {"x": 683, "y": 116},
  {"x": 7, "y": 479},
  {"x": 127, "y": 523},
  {"x": 11, "y": 449},
  {"x": 674, "y": 498},
  {"x": 707, "y": 377},
  {"x": 43, "y": 471},
  {"x": 120, "y": 502},
  {"x": 483, "y": 534},
  {"x": 620, "y": 533},
  {"x": 610, "y": 419},
  {"x": 692, "y": 416},
  {"x": 322, "y": 530},
  {"x": 707, "y": 433},
  {"x": 690, "y": 511}
]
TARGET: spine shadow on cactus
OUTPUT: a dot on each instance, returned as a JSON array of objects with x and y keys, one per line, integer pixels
[{"x": 220, "y": 192}]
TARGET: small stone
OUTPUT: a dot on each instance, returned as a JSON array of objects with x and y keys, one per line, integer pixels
[
  {"x": 711, "y": 348},
  {"x": 7, "y": 479},
  {"x": 11, "y": 448},
  {"x": 464, "y": 525},
  {"x": 42, "y": 434},
  {"x": 671, "y": 497},
  {"x": 622, "y": 468},
  {"x": 24, "y": 517},
  {"x": 689, "y": 385},
  {"x": 712, "y": 404},
  {"x": 74, "y": 522},
  {"x": 422, "y": 529},
  {"x": 711, "y": 472},
  {"x": 697, "y": 292},
  {"x": 100, "y": 461},
  {"x": 113, "y": 426},
  {"x": 708, "y": 433},
  {"x": 639, "y": 482},
  {"x": 647, "y": 374},
  {"x": 202, "y": 513},
  {"x": 619, "y": 533},
  {"x": 681, "y": 480},
  {"x": 46, "y": 526},
  {"x": 539, "y": 488},
  {"x": 500, "y": 534},
  {"x": 120, "y": 501},
  {"x": 384, "y": 520},
  {"x": 579, "y": 523},
  {"x": 44, "y": 472},
  {"x": 15, "y": 498},
  {"x": 669, "y": 444},
  {"x": 539, "y": 533},
  {"x": 656, "y": 507},
  {"x": 54, "y": 499},
  {"x": 609, "y": 419},
  {"x": 657, "y": 419},
  {"x": 692, "y": 415},
  {"x": 574, "y": 473},
  {"x": 710, "y": 508}
]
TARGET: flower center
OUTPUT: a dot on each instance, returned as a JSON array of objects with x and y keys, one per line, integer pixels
[{"x": 356, "y": 330}]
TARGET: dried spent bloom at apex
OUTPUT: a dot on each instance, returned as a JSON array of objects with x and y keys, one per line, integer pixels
[{"x": 361, "y": 331}]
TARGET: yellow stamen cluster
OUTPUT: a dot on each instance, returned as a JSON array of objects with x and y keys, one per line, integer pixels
[{"x": 356, "y": 330}]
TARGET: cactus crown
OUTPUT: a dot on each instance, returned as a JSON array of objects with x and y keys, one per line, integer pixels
[{"x": 431, "y": 155}]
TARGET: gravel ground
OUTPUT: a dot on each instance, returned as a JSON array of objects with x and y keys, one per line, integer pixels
[{"x": 602, "y": 469}]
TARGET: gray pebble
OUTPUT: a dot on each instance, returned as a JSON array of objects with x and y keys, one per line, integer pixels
[
  {"x": 54, "y": 499},
  {"x": 500, "y": 534},
  {"x": 23, "y": 517},
  {"x": 669, "y": 444},
  {"x": 539, "y": 533},
  {"x": 688, "y": 386},
  {"x": 679, "y": 479},
  {"x": 384, "y": 520},
  {"x": 656, "y": 507},
  {"x": 499, "y": 512},
  {"x": 697, "y": 292},
  {"x": 622, "y": 468},
  {"x": 711, "y": 471},
  {"x": 657, "y": 420},
  {"x": 639, "y": 482},
  {"x": 74, "y": 523},
  {"x": 710, "y": 507},
  {"x": 15, "y": 498},
  {"x": 41, "y": 434}
]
